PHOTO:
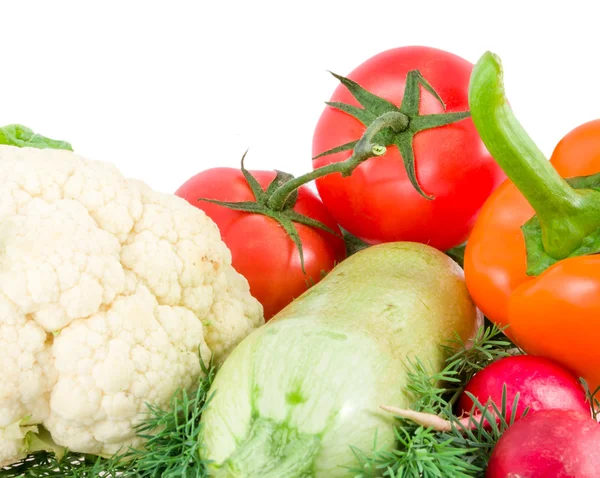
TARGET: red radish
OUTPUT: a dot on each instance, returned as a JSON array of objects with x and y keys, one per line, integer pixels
[
  {"x": 540, "y": 383},
  {"x": 548, "y": 443}
]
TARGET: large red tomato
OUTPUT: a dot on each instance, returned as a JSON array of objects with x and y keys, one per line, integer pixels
[
  {"x": 261, "y": 249},
  {"x": 377, "y": 203}
]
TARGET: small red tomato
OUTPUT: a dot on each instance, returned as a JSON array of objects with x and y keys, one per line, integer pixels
[
  {"x": 378, "y": 202},
  {"x": 262, "y": 251}
]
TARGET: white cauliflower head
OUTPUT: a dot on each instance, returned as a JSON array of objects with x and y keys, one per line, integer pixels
[{"x": 108, "y": 291}]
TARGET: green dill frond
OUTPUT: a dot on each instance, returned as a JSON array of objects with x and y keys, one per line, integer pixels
[
  {"x": 71, "y": 465},
  {"x": 463, "y": 451},
  {"x": 310, "y": 282},
  {"x": 488, "y": 345},
  {"x": 482, "y": 434},
  {"x": 465, "y": 360},
  {"x": 426, "y": 389},
  {"x": 419, "y": 453},
  {"x": 174, "y": 437}
]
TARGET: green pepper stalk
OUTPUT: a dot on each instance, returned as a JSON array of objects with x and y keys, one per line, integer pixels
[{"x": 566, "y": 215}]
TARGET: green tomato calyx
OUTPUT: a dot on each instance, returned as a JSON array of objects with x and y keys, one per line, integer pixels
[
  {"x": 408, "y": 122},
  {"x": 285, "y": 215}
]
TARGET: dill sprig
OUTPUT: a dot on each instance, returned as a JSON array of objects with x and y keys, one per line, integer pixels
[
  {"x": 464, "y": 450},
  {"x": 465, "y": 360},
  {"x": 71, "y": 465},
  {"x": 172, "y": 448},
  {"x": 419, "y": 452}
]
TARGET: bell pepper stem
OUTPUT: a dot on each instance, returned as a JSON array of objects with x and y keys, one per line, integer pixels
[
  {"x": 566, "y": 215},
  {"x": 364, "y": 149}
]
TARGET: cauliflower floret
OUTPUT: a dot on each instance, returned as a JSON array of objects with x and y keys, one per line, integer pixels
[{"x": 108, "y": 292}]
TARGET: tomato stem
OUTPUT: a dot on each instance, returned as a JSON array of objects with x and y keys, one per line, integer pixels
[
  {"x": 364, "y": 149},
  {"x": 566, "y": 215}
]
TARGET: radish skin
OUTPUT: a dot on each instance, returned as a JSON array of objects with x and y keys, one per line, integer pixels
[
  {"x": 548, "y": 443},
  {"x": 540, "y": 383}
]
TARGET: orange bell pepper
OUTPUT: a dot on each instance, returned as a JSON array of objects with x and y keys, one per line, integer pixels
[{"x": 542, "y": 282}]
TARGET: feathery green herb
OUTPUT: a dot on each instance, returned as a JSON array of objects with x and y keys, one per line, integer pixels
[{"x": 462, "y": 452}]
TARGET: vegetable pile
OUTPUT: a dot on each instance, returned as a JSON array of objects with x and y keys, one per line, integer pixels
[{"x": 245, "y": 326}]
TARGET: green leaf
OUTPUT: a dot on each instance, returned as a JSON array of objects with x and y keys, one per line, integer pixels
[
  {"x": 412, "y": 93},
  {"x": 260, "y": 195},
  {"x": 309, "y": 221},
  {"x": 537, "y": 258},
  {"x": 247, "y": 206},
  {"x": 585, "y": 182},
  {"x": 373, "y": 103},
  {"x": 353, "y": 243},
  {"x": 23, "y": 137},
  {"x": 291, "y": 230},
  {"x": 364, "y": 116},
  {"x": 338, "y": 149},
  {"x": 404, "y": 144},
  {"x": 257, "y": 190},
  {"x": 421, "y": 123},
  {"x": 458, "y": 254}
]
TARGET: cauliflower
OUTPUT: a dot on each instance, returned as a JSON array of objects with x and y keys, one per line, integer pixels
[{"x": 108, "y": 293}]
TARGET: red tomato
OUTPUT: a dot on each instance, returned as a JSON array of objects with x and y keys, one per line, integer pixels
[
  {"x": 377, "y": 202},
  {"x": 261, "y": 249}
]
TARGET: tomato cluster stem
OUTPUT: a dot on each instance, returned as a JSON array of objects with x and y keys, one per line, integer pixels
[
  {"x": 566, "y": 215},
  {"x": 365, "y": 148}
]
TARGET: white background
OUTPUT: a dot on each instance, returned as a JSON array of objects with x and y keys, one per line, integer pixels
[{"x": 167, "y": 89}]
